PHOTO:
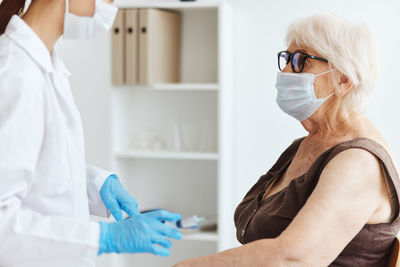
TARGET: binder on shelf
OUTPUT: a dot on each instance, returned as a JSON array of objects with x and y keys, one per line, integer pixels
[
  {"x": 132, "y": 46},
  {"x": 118, "y": 49},
  {"x": 160, "y": 44}
]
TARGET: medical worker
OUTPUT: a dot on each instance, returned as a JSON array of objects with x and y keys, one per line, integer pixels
[{"x": 46, "y": 190}]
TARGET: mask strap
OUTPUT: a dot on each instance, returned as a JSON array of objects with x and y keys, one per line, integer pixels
[
  {"x": 329, "y": 96},
  {"x": 325, "y": 72},
  {"x": 67, "y": 6}
]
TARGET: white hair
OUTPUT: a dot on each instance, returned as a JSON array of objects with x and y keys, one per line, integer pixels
[{"x": 348, "y": 46}]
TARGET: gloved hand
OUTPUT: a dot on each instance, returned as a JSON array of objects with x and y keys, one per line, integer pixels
[
  {"x": 117, "y": 199},
  {"x": 140, "y": 233}
]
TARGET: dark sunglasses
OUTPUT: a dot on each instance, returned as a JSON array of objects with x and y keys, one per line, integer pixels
[{"x": 298, "y": 60}]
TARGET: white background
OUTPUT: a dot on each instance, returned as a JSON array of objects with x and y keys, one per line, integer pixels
[{"x": 262, "y": 130}]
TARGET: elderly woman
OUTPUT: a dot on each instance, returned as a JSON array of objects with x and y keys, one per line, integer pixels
[{"x": 332, "y": 197}]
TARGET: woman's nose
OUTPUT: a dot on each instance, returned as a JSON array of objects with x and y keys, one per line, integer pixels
[{"x": 287, "y": 68}]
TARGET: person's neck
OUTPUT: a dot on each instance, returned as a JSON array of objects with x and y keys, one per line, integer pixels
[
  {"x": 46, "y": 19},
  {"x": 335, "y": 128}
]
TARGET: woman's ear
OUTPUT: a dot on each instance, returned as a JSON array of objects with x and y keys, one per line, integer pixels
[{"x": 345, "y": 85}]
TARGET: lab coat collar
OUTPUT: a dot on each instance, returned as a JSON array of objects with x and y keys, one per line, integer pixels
[{"x": 24, "y": 36}]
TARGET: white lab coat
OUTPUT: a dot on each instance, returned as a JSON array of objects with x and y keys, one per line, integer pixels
[{"x": 46, "y": 189}]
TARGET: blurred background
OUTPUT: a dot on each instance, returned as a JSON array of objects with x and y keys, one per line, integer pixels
[{"x": 196, "y": 145}]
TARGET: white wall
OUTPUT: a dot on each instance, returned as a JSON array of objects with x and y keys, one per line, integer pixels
[{"x": 260, "y": 28}]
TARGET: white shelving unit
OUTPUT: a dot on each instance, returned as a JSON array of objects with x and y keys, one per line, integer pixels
[
  {"x": 166, "y": 155},
  {"x": 197, "y": 178},
  {"x": 168, "y": 4},
  {"x": 206, "y": 236},
  {"x": 186, "y": 87}
]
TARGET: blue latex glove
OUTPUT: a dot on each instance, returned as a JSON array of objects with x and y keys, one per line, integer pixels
[
  {"x": 117, "y": 199},
  {"x": 140, "y": 233}
]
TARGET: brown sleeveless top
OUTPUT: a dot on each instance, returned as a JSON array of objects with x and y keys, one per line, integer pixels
[{"x": 257, "y": 219}]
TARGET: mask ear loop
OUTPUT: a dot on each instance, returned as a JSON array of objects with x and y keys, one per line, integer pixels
[
  {"x": 325, "y": 72},
  {"x": 67, "y": 6}
]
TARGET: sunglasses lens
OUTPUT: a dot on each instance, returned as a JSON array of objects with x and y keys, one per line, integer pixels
[
  {"x": 283, "y": 60},
  {"x": 298, "y": 61}
]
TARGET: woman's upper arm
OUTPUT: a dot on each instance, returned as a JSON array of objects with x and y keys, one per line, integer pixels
[{"x": 346, "y": 196}]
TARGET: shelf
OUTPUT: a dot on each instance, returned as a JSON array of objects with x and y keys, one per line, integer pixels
[
  {"x": 168, "y": 4},
  {"x": 194, "y": 111},
  {"x": 186, "y": 87},
  {"x": 189, "y": 87},
  {"x": 167, "y": 155},
  {"x": 201, "y": 236}
]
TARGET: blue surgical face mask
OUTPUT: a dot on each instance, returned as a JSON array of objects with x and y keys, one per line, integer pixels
[{"x": 296, "y": 96}]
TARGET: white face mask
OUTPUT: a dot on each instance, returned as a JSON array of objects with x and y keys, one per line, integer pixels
[
  {"x": 296, "y": 96},
  {"x": 84, "y": 28}
]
